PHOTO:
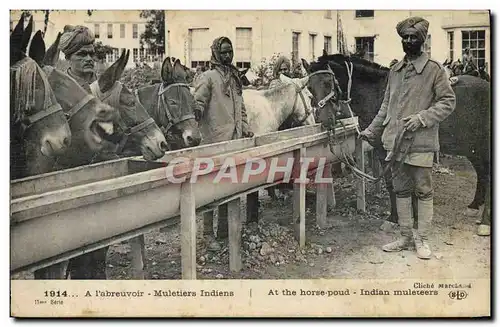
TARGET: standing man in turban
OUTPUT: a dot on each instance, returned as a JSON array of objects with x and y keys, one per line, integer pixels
[
  {"x": 417, "y": 98},
  {"x": 221, "y": 113},
  {"x": 77, "y": 44}
]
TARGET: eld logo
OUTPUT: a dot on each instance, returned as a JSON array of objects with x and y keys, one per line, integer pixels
[{"x": 458, "y": 295}]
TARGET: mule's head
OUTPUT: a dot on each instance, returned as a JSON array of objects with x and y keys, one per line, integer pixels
[
  {"x": 37, "y": 118},
  {"x": 176, "y": 105},
  {"x": 302, "y": 111},
  {"x": 138, "y": 131},
  {"x": 90, "y": 120},
  {"x": 326, "y": 93}
]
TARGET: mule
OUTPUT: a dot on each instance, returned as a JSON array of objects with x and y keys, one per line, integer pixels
[
  {"x": 90, "y": 120},
  {"x": 465, "y": 132},
  {"x": 171, "y": 104},
  {"x": 38, "y": 126},
  {"x": 139, "y": 132},
  {"x": 268, "y": 109}
]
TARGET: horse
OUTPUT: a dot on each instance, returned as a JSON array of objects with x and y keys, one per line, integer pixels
[
  {"x": 465, "y": 132},
  {"x": 171, "y": 104},
  {"x": 38, "y": 127}
]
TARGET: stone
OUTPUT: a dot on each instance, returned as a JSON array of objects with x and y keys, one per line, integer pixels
[
  {"x": 328, "y": 249},
  {"x": 252, "y": 246},
  {"x": 219, "y": 276},
  {"x": 266, "y": 249}
]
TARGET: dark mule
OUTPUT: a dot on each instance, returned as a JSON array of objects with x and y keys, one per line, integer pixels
[
  {"x": 138, "y": 130},
  {"x": 465, "y": 132},
  {"x": 89, "y": 118},
  {"x": 38, "y": 127},
  {"x": 172, "y": 105}
]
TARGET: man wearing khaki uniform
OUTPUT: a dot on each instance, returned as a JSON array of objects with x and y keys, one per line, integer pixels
[{"x": 417, "y": 98}]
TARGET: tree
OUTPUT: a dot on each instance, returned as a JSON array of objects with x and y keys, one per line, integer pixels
[
  {"x": 102, "y": 50},
  {"x": 154, "y": 35}
]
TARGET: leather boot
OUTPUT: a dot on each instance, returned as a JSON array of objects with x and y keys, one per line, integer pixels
[
  {"x": 425, "y": 213},
  {"x": 404, "y": 209}
]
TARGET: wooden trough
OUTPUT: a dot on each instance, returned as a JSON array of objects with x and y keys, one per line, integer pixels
[{"x": 60, "y": 215}]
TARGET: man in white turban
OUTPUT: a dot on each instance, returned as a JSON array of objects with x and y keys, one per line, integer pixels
[{"x": 418, "y": 97}]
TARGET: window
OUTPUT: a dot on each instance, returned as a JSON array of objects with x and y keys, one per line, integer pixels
[
  {"x": 96, "y": 31},
  {"x": 327, "y": 44},
  {"x": 328, "y": 14},
  {"x": 199, "y": 46},
  {"x": 295, "y": 47},
  {"x": 312, "y": 45},
  {"x": 475, "y": 41},
  {"x": 122, "y": 31},
  {"x": 365, "y": 47},
  {"x": 135, "y": 31},
  {"x": 110, "y": 31},
  {"x": 451, "y": 45},
  {"x": 243, "y": 51},
  {"x": 195, "y": 64},
  {"x": 141, "y": 55},
  {"x": 135, "y": 54},
  {"x": 365, "y": 13},
  {"x": 427, "y": 45}
]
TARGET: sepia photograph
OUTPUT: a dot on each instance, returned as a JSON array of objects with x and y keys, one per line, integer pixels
[{"x": 298, "y": 161}]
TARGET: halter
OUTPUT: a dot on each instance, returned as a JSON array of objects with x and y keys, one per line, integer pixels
[
  {"x": 78, "y": 106},
  {"x": 171, "y": 120},
  {"x": 112, "y": 97},
  {"x": 46, "y": 111},
  {"x": 321, "y": 103}
]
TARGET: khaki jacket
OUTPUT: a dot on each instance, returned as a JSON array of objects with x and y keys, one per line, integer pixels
[{"x": 422, "y": 89}]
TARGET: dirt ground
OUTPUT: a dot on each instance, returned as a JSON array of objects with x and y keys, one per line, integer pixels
[{"x": 349, "y": 247}]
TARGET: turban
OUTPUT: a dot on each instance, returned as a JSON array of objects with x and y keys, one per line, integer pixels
[
  {"x": 74, "y": 38},
  {"x": 417, "y": 24}
]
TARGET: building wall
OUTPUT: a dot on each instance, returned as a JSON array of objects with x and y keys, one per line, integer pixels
[
  {"x": 271, "y": 31},
  {"x": 116, "y": 18},
  {"x": 387, "y": 41},
  {"x": 39, "y": 23}
]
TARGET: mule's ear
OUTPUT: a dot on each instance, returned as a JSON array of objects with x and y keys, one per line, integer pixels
[
  {"x": 122, "y": 63},
  {"x": 16, "y": 36},
  {"x": 27, "y": 35},
  {"x": 243, "y": 72},
  {"x": 112, "y": 74},
  {"x": 166, "y": 70},
  {"x": 301, "y": 82},
  {"x": 285, "y": 78},
  {"x": 306, "y": 66},
  {"x": 52, "y": 53},
  {"x": 179, "y": 73},
  {"x": 37, "y": 48}
]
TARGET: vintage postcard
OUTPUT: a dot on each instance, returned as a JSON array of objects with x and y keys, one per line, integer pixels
[{"x": 250, "y": 163}]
